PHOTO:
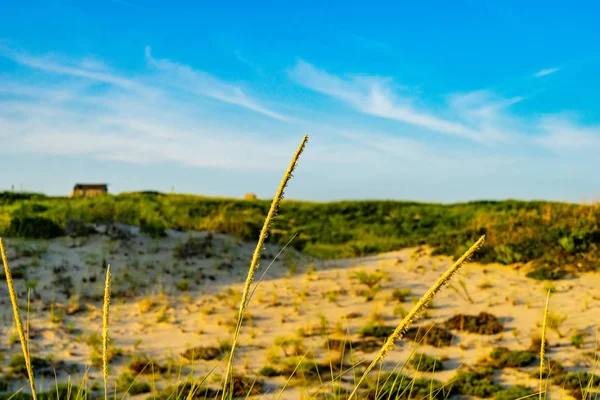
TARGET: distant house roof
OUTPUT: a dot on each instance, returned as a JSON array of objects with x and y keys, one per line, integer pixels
[{"x": 101, "y": 186}]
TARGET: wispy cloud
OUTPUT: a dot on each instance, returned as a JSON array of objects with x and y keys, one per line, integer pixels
[
  {"x": 82, "y": 107},
  {"x": 546, "y": 71},
  {"x": 374, "y": 96},
  {"x": 177, "y": 76},
  {"x": 185, "y": 78}
]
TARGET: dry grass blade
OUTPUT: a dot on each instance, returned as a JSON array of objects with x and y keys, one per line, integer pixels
[
  {"x": 256, "y": 255},
  {"x": 543, "y": 346},
  {"x": 17, "y": 316},
  {"x": 105, "y": 309},
  {"x": 416, "y": 310}
]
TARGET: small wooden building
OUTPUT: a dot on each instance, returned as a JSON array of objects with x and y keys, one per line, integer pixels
[{"x": 89, "y": 190}]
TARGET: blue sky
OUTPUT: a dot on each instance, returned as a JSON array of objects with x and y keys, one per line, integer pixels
[{"x": 428, "y": 101}]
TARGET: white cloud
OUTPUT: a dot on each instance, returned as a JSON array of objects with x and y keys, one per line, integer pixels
[
  {"x": 546, "y": 71},
  {"x": 175, "y": 76},
  {"x": 184, "y": 78},
  {"x": 375, "y": 96},
  {"x": 562, "y": 134},
  {"x": 83, "y": 108}
]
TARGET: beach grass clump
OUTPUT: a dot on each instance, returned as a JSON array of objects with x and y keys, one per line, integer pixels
[{"x": 483, "y": 323}]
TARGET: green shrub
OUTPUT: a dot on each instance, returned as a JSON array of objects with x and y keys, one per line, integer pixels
[
  {"x": 193, "y": 247},
  {"x": 514, "y": 392},
  {"x": 576, "y": 380},
  {"x": 400, "y": 295},
  {"x": 143, "y": 365},
  {"x": 502, "y": 357},
  {"x": 424, "y": 363},
  {"x": 546, "y": 274},
  {"x": 132, "y": 386},
  {"x": 377, "y": 331},
  {"x": 477, "y": 383},
  {"x": 431, "y": 335},
  {"x": 483, "y": 323},
  {"x": 78, "y": 228},
  {"x": 269, "y": 371},
  {"x": 370, "y": 280},
  {"x": 552, "y": 368},
  {"x": 154, "y": 230},
  {"x": 182, "y": 285},
  {"x": 18, "y": 366},
  {"x": 33, "y": 228},
  {"x": 577, "y": 340},
  {"x": 399, "y": 386},
  {"x": 202, "y": 353}
]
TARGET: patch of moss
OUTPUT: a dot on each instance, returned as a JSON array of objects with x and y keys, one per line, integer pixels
[{"x": 483, "y": 323}]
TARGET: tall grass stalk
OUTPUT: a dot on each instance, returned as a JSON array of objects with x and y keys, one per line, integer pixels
[
  {"x": 254, "y": 263},
  {"x": 17, "y": 315},
  {"x": 105, "y": 310},
  {"x": 543, "y": 346},
  {"x": 415, "y": 311}
]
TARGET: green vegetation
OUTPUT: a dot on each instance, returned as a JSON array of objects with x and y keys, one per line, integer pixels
[
  {"x": 483, "y": 323},
  {"x": 501, "y": 357},
  {"x": 477, "y": 383},
  {"x": 514, "y": 392},
  {"x": 554, "y": 236},
  {"x": 399, "y": 386},
  {"x": 425, "y": 363},
  {"x": 432, "y": 335}
]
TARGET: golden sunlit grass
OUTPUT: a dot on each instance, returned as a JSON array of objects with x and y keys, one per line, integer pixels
[{"x": 17, "y": 317}]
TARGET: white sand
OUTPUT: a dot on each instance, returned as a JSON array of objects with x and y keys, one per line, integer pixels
[{"x": 145, "y": 273}]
